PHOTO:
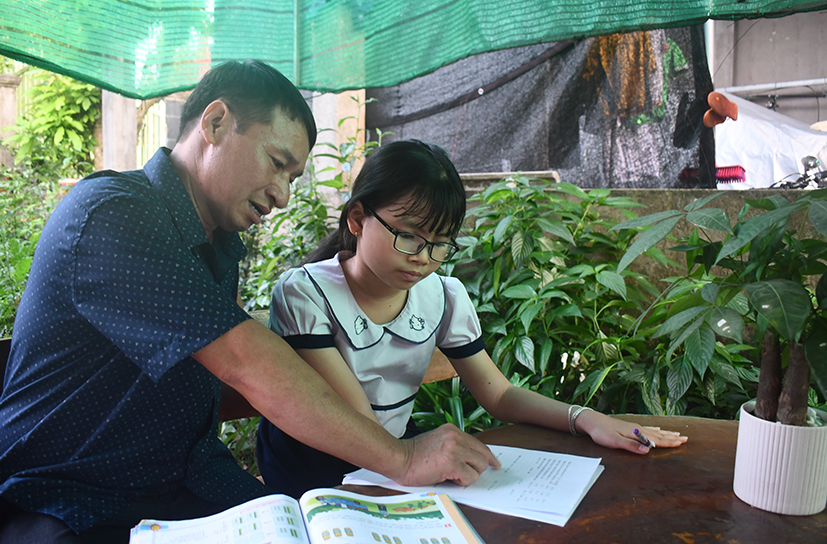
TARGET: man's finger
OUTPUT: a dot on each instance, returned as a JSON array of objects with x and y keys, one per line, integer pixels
[{"x": 489, "y": 459}]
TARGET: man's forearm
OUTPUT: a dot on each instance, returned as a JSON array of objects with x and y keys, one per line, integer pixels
[{"x": 282, "y": 387}]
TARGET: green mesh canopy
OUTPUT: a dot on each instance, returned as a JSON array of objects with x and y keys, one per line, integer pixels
[{"x": 146, "y": 48}]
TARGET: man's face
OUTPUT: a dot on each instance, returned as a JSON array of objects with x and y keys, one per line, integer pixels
[{"x": 244, "y": 176}]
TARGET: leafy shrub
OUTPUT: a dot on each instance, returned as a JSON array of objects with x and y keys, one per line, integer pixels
[
  {"x": 540, "y": 265},
  {"x": 27, "y": 198},
  {"x": 745, "y": 276},
  {"x": 559, "y": 316},
  {"x": 57, "y": 127}
]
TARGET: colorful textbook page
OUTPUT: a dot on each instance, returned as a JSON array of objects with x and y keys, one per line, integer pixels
[{"x": 322, "y": 516}]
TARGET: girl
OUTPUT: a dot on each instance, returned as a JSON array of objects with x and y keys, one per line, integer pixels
[{"x": 368, "y": 312}]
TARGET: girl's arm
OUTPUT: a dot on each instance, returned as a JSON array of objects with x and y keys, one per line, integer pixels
[
  {"x": 513, "y": 404},
  {"x": 328, "y": 362}
]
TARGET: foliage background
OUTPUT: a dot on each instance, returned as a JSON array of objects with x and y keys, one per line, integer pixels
[{"x": 53, "y": 140}]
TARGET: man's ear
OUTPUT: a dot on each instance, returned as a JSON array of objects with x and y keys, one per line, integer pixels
[
  {"x": 356, "y": 218},
  {"x": 216, "y": 121}
]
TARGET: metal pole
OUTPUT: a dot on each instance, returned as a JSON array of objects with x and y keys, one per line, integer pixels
[
  {"x": 764, "y": 87},
  {"x": 296, "y": 57}
]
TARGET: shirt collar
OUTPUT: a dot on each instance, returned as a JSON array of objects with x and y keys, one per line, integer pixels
[
  {"x": 164, "y": 178},
  {"x": 416, "y": 323}
]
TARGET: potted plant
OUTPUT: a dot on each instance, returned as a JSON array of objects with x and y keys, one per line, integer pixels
[{"x": 762, "y": 273}]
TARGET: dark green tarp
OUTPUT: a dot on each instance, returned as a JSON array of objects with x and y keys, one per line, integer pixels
[{"x": 146, "y": 48}]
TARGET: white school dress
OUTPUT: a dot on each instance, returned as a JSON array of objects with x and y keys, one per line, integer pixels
[{"x": 312, "y": 307}]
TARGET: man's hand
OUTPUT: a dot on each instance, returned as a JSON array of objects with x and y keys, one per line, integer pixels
[{"x": 446, "y": 453}]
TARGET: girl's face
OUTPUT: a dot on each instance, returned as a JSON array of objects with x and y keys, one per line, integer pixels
[{"x": 375, "y": 245}]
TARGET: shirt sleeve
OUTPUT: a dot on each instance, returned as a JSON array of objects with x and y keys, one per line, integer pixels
[
  {"x": 137, "y": 283},
  {"x": 299, "y": 312},
  {"x": 459, "y": 334}
]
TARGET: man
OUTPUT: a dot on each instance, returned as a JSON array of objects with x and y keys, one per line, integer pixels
[{"x": 130, "y": 324}]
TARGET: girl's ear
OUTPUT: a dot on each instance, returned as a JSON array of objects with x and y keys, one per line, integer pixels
[{"x": 356, "y": 218}]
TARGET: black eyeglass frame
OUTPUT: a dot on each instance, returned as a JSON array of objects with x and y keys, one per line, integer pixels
[{"x": 453, "y": 247}]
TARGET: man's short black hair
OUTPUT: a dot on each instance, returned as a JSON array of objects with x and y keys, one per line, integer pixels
[{"x": 252, "y": 90}]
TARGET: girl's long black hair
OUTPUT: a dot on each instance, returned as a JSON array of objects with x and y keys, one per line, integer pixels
[{"x": 411, "y": 170}]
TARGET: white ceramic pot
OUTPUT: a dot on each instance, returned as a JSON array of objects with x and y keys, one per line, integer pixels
[{"x": 781, "y": 468}]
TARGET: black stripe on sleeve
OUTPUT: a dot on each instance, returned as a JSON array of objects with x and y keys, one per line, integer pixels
[
  {"x": 386, "y": 407},
  {"x": 464, "y": 351},
  {"x": 310, "y": 341}
]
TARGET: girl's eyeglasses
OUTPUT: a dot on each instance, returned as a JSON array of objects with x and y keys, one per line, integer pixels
[{"x": 412, "y": 244}]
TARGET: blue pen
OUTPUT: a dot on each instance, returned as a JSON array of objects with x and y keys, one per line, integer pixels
[{"x": 643, "y": 440}]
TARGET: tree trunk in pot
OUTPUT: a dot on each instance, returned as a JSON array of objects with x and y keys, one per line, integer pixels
[
  {"x": 792, "y": 404},
  {"x": 769, "y": 383}
]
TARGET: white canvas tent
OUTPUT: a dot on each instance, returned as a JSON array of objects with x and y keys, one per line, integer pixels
[{"x": 768, "y": 145}]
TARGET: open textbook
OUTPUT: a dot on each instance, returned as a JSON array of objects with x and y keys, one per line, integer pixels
[
  {"x": 531, "y": 484},
  {"x": 321, "y": 516}
]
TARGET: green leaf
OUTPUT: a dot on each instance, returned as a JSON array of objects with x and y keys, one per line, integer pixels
[
  {"x": 702, "y": 202},
  {"x": 818, "y": 216},
  {"x": 726, "y": 322},
  {"x": 677, "y": 321},
  {"x": 770, "y": 203},
  {"x": 566, "y": 310},
  {"x": 821, "y": 292},
  {"x": 681, "y": 338},
  {"x": 752, "y": 227},
  {"x": 554, "y": 293},
  {"x": 678, "y": 380},
  {"x": 700, "y": 345},
  {"x": 502, "y": 227},
  {"x": 524, "y": 352},
  {"x": 613, "y": 281},
  {"x": 502, "y": 194},
  {"x": 520, "y": 248},
  {"x": 467, "y": 241},
  {"x": 497, "y": 326},
  {"x": 606, "y": 350},
  {"x": 783, "y": 303},
  {"x": 709, "y": 292},
  {"x": 595, "y": 380},
  {"x": 527, "y": 316},
  {"x": 647, "y": 220},
  {"x": 599, "y": 193},
  {"x": 651, "y": 391},
  {"x": 814, "y": 349},
  {"x": 647, "y": 240},
  {"x": 739, "y": 303},
  {"x": 571, "y": 189},
  {"x": 722, "y": 368},
  {"x": 557, "y": 228},
  {"x": 521, "y": 291},
  {"x": 545, "y": 355},
  {"x": 710, "y": 218}
]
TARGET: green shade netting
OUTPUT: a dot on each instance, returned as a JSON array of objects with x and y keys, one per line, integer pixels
[{"x": 146, "y": 48}]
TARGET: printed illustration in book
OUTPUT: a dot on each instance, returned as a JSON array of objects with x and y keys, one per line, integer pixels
[{"x": 322, "y": 516}]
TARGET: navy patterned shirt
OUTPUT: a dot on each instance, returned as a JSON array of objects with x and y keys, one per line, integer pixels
[{"x": 101, "y": 397}]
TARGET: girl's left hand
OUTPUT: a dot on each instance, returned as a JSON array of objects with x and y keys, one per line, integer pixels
[{"x": 615, "y": 433}]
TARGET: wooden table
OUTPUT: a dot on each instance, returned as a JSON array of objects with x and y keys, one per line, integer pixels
[{"x": 681, "y": 496}]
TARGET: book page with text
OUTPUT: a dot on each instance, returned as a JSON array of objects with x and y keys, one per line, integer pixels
[{"x": 275, "y": 519}]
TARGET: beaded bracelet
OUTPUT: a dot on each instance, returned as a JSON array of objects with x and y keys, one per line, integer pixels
[
  {"x": 571, "y": 422},
  {"x": 573, "y": 418}
]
